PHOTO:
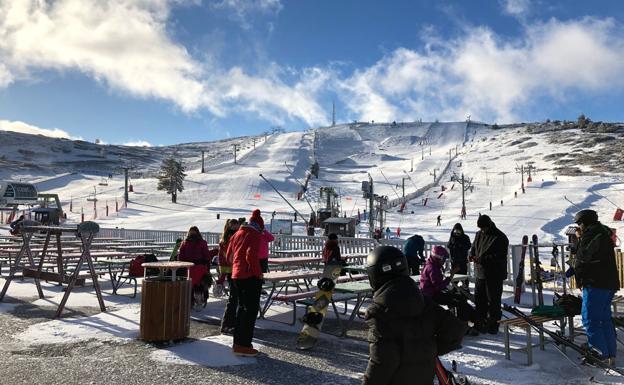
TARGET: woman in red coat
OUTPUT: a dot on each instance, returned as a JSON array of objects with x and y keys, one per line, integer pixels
[
  {"x": 244, "y": 247},
  {"x": 195, "y": 249}
]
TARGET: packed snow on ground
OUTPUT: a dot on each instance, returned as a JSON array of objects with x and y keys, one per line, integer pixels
[{"x": 214, "y": 351}]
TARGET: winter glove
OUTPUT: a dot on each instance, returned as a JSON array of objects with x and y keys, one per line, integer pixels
[{"x": 217, "y": 290}]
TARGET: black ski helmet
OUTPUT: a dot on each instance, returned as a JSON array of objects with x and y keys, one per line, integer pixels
[
  {"x": 587, "y": 217},
  {"x": 385, "y": 263}
]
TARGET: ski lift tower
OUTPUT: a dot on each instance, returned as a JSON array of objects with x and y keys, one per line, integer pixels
[{"x": 329, "y": 196}]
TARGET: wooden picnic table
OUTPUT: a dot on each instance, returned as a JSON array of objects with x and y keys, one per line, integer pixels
[
  {"x": 363, "y": 290},
  {"x": 116, "y": 270},
  {"x": 104, "y": 254},
  {"x": 86, "y": 231},
  {"x": 139, "y": 248},
  {"x": 296, "y": 261},
  {"x": 359, "y": 258},
  {"x": 34, "y": 250},
  {"x": 294, "y": 252},
  {"x": 143, "y": 240},
  {"x": 282, "y": 278},
  {"x": 172, "y": 243}
]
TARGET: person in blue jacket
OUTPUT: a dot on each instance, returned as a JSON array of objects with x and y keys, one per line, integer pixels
[{"x": 414, "y": 252}]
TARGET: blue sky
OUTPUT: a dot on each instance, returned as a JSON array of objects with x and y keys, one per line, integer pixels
[{"x": 172, "y": 71}]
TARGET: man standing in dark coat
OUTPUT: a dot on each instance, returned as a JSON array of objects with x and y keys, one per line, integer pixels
[
  {"x": 596, "y": 273},
  {"x": 414, "y": 250},
  {"x": 406, "y": 332},
  {"x": 459, "y": 246},
  {"x": 489, "y": 254}
]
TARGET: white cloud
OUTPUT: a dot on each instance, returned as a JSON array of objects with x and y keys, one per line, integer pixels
[
  {"x": 125, "y": 45},
  {"x": 137, "y": 143},
  {"x": 242, "y": 10},
  {"x": 25, "y": 128},
  {"x": 5, "y": 76},
  {"x": 517, "y": 8},
  {"x": 490, "y": 77}
]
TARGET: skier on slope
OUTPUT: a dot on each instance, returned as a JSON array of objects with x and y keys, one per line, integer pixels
[
  {"x": 459, "y": 246},
  {"x": 414, "y": 252},
  {"x": 406, "y": 331},
  {"x": 435, "y": 286},
  {"x": 489, "y": 254},
  {"x": 596, "y": 273}
]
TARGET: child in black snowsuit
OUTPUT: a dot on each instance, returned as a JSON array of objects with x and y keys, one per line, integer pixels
[{"x": 406, "y": 332}]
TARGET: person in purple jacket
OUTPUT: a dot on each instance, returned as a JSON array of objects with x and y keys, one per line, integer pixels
[{"x": 434, "y": 285}]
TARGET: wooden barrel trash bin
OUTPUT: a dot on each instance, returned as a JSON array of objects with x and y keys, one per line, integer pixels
[{"x": 165, "y": 304}]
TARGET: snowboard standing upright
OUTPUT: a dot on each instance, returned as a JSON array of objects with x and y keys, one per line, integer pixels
[
  {"x": 520, "y": 276},
  {"x": 313, "y": 320},
  {"x": 538, "y": 270}
]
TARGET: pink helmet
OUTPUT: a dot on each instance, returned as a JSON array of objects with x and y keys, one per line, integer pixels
[{"x": 439, "y": 251}]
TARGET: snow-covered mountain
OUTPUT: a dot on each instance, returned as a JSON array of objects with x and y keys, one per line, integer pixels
[{"x": 580, "y": 163}]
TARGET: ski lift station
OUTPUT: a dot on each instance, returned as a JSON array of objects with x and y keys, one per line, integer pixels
[{"x": 13, "y": 194}]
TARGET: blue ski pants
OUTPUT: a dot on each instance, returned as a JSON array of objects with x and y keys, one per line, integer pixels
[{"x": 597, "y": 321}]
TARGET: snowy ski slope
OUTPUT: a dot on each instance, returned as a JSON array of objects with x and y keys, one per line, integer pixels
[{"x": 347, "y": 154}]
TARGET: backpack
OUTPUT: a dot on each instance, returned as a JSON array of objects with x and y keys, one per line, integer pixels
[
  {"x": 136, "y": 270},
  {"x": 571, "y": 304}
]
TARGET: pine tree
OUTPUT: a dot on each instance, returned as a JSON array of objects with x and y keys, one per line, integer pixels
[{"x": 171, "y": 178}]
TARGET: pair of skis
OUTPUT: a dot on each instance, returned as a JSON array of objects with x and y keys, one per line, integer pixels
[
  {"x": 589, "y": 356},
  {"x": 537, "y": 267}
]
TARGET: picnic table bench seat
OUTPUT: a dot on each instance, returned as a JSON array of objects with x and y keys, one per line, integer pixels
[
  {"x": 523, "y": 324},
  {"x": 617, "y": 301},
  {"x": 307, "y": 298}
]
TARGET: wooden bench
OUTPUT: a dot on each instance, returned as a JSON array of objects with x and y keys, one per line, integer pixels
[
  {"x": 307, "y": 298},
  {"x": 354, "y": 277},
  {"x": 521, "y": 323}
]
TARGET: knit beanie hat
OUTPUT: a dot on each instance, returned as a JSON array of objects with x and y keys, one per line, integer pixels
[
  {"x": 256, "y": 218},
  {"x": 439, "y": 252}
]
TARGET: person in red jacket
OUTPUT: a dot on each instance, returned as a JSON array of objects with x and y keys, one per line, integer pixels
[
  {"x": 331, "y": 251},
  {"x": 265, "y": 238},
  {"x": 225, "y": 272},
  {"x": 244, "y": 246},
  {"x": 195, "y": 249}
]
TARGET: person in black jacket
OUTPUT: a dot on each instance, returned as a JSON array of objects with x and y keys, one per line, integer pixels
[
  {"x": 406, "y": 332},
  {"x": 489, "y": 254},
  {"x": 459, "y": 246},
  {"x": 596, "y": 273}
]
